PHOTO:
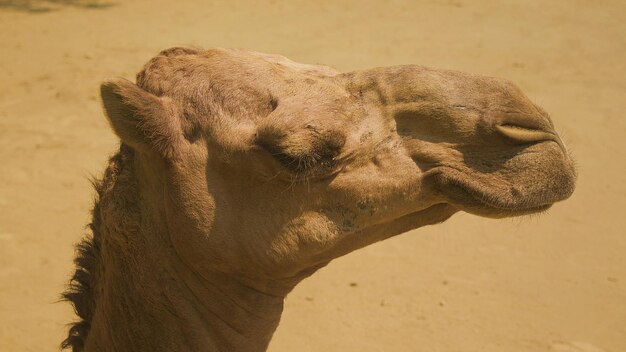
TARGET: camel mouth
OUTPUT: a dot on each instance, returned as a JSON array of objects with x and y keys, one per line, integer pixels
[
  {"x": 474, "y": 200},
  {"x": 528, "y": 183}
]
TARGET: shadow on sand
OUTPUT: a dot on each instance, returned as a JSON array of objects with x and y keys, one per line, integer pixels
[{"x": 39, "y": 6}]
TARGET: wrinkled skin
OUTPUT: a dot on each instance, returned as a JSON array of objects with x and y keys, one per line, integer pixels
[{"x": 269, "y": 169}]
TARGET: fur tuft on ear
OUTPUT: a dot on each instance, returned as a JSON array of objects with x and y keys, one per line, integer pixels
[{"x": 142, "y": 120}]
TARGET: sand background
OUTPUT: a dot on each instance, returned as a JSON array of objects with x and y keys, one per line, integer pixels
[{"x": 545, "y": 283}]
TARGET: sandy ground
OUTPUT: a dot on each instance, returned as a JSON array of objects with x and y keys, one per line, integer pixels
[{"x": 555, "y": 282}]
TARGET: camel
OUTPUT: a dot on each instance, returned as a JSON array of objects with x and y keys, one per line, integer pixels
[{"x": 239, "y": 174}]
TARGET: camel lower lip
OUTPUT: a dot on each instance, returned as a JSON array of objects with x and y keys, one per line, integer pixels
[
  {"x": 470, "y": 199},
  {"x": 494, "y": 209}
]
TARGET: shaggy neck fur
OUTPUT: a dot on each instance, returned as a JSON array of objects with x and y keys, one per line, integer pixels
[{"x": 133, "y": 292}]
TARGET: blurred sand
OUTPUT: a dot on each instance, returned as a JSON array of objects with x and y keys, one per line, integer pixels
[{"x": 546, "y": 283}]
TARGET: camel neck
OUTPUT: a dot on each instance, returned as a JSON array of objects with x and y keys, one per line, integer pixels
[
  {"x": 147, "y": 298},
  {"x": 161, "y": 305},
  {"x": 237, "y": 315}
]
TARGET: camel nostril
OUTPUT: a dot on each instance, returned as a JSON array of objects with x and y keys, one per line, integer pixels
[
  {"x": 525, "y": 135},
  {"x": 526, "y": 128},
  {"x": 530, "y": 122}
]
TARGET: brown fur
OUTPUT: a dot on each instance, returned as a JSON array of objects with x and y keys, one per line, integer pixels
[
  {"x": 81, "y": 292},
  {"x": 241, "y": 173}
]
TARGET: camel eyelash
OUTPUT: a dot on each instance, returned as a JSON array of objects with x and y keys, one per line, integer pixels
[
  {"x": 301, "y": 151},
  {"x": 303, "y": 163},
  {"x": 273, "y": 103}
]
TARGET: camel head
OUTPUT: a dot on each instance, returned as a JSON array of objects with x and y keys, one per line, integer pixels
[{"x": 267, "y": 169}]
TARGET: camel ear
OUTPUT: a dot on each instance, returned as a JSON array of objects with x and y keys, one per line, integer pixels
[{"x": 141, "y": 120}]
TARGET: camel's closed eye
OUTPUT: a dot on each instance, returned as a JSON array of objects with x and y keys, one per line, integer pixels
[{"x": 305, "y": 151}]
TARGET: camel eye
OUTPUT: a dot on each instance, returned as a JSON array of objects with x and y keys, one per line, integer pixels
[
  {"x": 295, "y": 163},
  {"x": 273, "y": 103},
  {"x": 302, "y": 152}
]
